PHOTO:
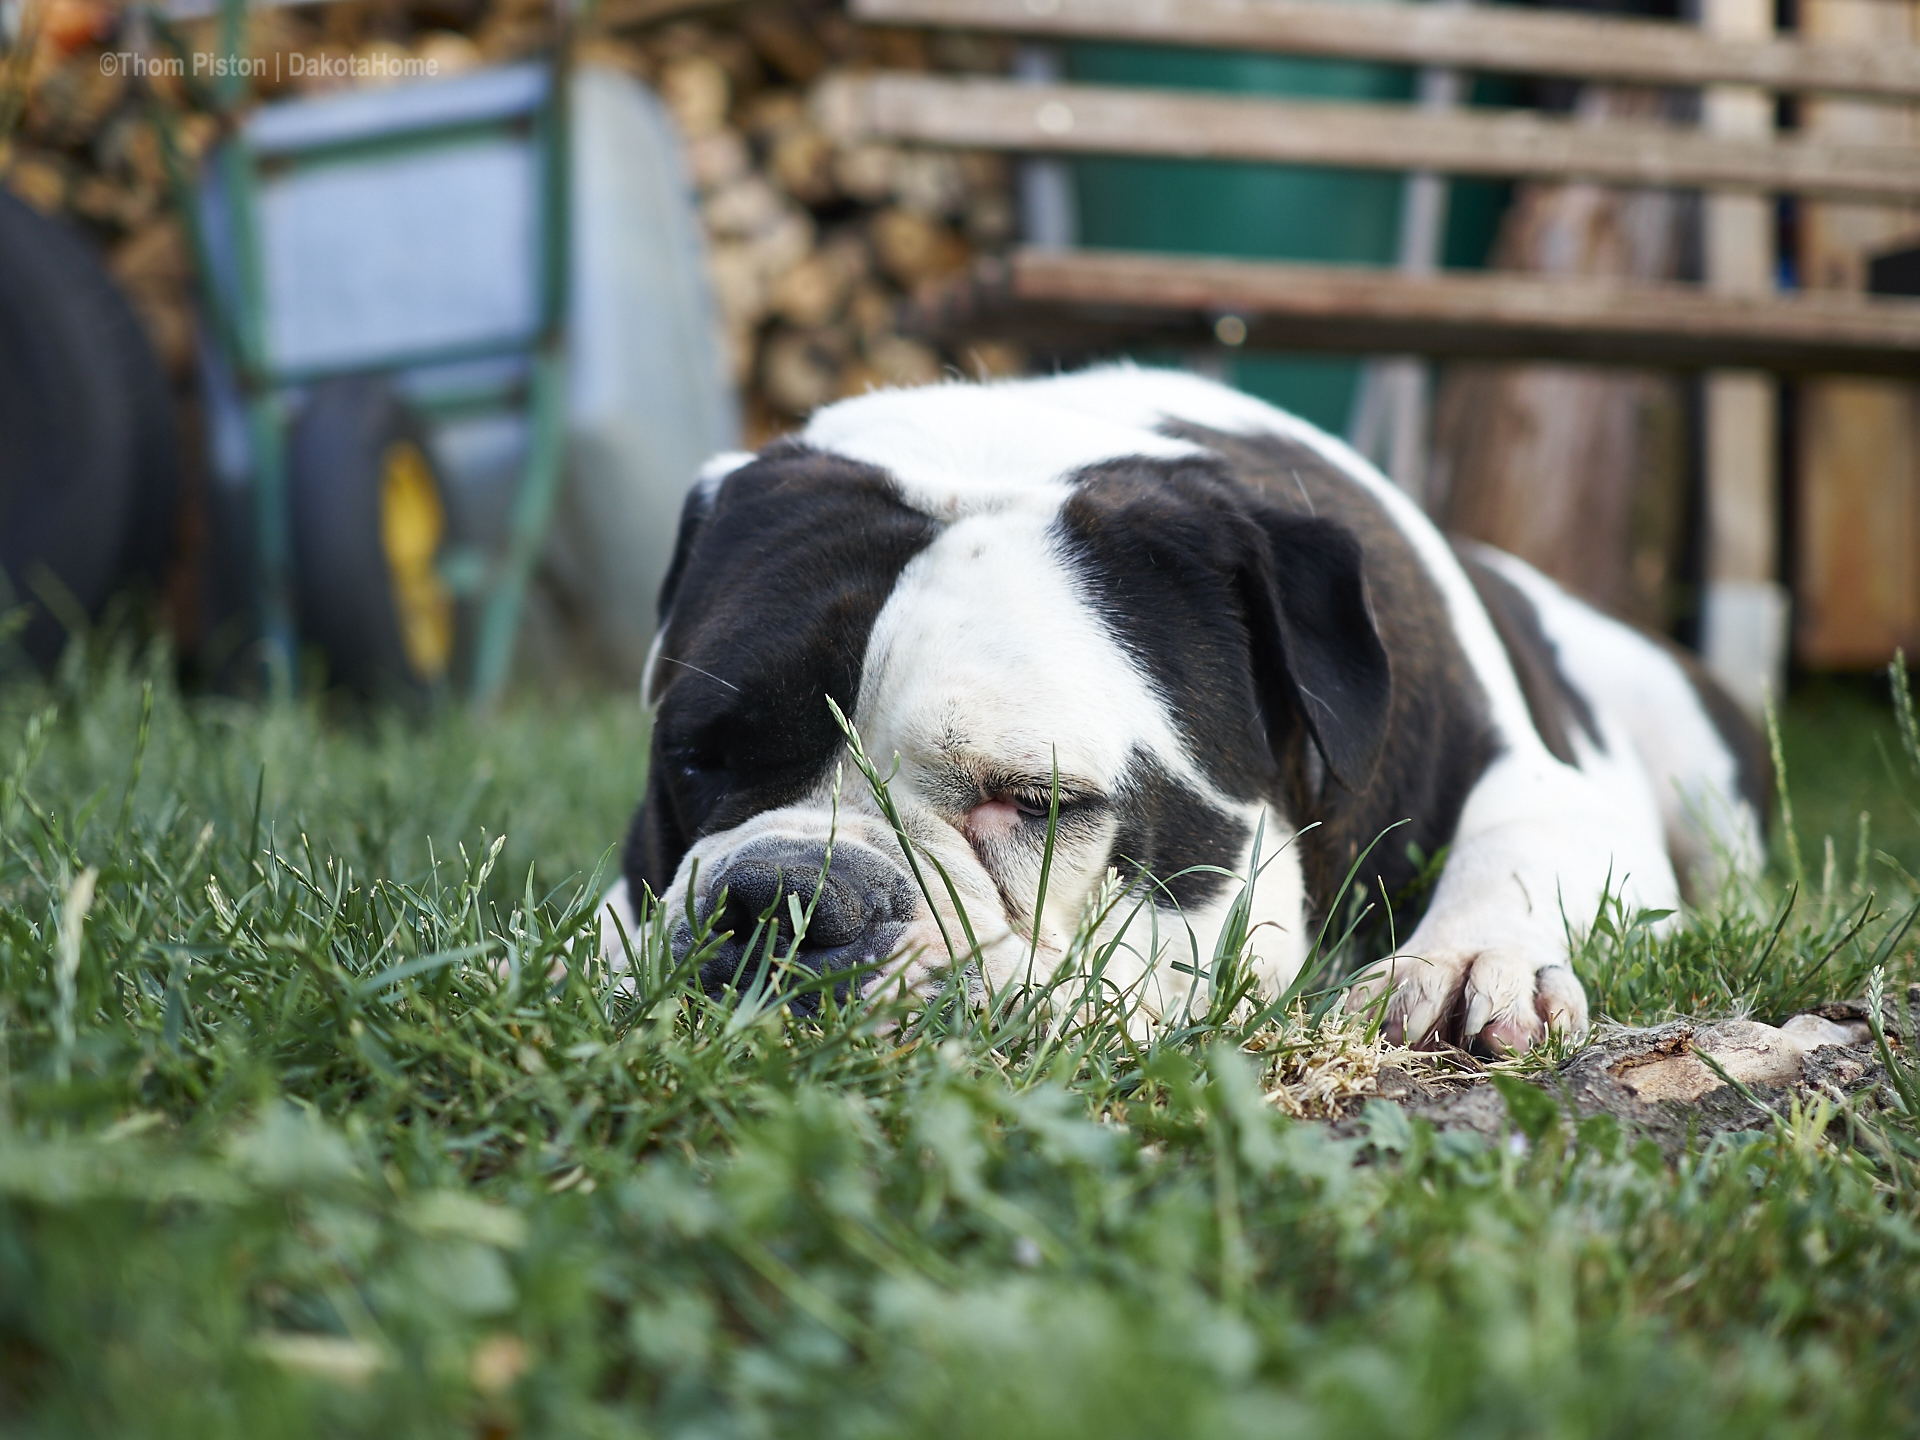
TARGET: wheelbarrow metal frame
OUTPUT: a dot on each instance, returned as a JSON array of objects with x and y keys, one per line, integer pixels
[{"x": 236, "y": 313}]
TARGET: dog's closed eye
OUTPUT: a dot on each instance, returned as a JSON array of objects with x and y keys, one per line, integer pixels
[
  {"x": 1006, "y": 812},
  {"x": 994, "y": 820}
]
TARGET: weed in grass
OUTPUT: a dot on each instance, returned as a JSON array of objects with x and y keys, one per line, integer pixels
[{"x": 322, "y": 1116}]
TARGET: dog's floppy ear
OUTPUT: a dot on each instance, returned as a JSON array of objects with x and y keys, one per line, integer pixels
[
  {"x": 693, "y": 517},
  {"x": 694, "y": 514},
  {"x": 1315, "y": 648}
]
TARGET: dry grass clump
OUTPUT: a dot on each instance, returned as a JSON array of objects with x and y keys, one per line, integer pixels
[{"x": 1319, "y": 1067}]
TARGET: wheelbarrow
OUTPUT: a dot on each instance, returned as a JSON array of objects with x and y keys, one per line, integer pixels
[{"x": 401, "y": 360}]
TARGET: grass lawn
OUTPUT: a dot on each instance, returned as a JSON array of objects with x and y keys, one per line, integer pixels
[{"x": 304, "y": 1132}]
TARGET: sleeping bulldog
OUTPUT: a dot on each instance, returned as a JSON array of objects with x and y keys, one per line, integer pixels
[{"x": 1201, "y": 641}]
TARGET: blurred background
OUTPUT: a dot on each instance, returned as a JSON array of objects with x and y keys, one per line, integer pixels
[{"x": 372, "y": 344}]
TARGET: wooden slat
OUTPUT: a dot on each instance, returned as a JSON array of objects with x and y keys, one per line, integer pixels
[
  {"x": 1857, "y": 502},
  {"x": 1088, "y": 299},
  {"x": 1508, "y": 40},
  {"x": 988, "y": 114},
  {"x": 1858, "y": 511}
]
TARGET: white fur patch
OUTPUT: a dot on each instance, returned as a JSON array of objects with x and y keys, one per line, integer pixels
[
  {"x": 716, "y": 470},
  {"x": 963, "y": 449},
  {"x": 987, "y": 654},
  {"x": 1640, "y": 691}
]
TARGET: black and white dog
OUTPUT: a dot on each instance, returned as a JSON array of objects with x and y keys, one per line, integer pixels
[{"x": 1218, "y": 622}]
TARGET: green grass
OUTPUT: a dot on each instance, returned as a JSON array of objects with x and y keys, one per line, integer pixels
[
  {"x": 309, "y": 1125},
  {"x": 1845, "y": 761}
]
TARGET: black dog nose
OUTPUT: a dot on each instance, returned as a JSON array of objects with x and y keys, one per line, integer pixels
[
  {"x": 758, "y": 887},
  {"x": 860, "y": 903}
]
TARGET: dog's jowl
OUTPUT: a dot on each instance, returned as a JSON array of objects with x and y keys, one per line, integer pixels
[{"x": 1233, "y": 647}]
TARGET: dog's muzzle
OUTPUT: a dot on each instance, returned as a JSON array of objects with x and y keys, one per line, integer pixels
[{"x": 864, "y": 903}]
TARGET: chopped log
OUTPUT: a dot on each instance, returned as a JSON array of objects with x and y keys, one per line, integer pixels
[{"x": 1579, "y": 471}]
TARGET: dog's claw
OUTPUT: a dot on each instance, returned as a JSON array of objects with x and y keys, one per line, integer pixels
[
  {"x": 1479, "y": 1012},
  {"x": 1422, "y": 1019},
  {"x": 1506, "y": 1035},
  {"x": 1560, "y": 1001}
]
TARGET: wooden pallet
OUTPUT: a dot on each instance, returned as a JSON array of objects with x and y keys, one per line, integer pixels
[
  {"x": 1733, "y": 326},
  {"x": 1449, "y": 315}
]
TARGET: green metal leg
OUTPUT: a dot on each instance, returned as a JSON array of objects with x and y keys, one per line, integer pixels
[
  {"x": 532, "y": 510},
  {"x": 266, "y": 412},
  {"x": 267, "y": 432}
]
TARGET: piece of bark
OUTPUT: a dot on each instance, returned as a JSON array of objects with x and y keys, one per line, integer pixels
[
  {"x": 800, "y": 370},
  {"x": 696, "y": 90},
  {"x": 38, "y": 179},
  {"x": 902, "y": 362},
  {"x": 801, "y": 163},
  {"x": 718, "y": 159}
]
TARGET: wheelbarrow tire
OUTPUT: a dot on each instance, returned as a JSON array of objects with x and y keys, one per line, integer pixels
[
  {"x": 89, "y": 464},
  {"x": 368, "y": 515}
]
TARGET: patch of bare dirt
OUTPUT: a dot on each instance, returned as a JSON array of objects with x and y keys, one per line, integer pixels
[{"x": 1679, "y": 1083}]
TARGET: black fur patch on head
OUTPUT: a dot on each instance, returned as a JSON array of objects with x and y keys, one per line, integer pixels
[
  {"x": 1194, "y": 572},
  {"x": 1552, "y": 701},
  {"x": 1433, "y": 732},
  {"x": 777, "y": 581},
  {"x": 1169, "y": 832},
  {"x": 1157, "y": 545}
]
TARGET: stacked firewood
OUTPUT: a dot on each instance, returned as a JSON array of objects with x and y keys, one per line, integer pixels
[
  {"x": 74, "y": 141},
  {"x": 812, "y": 245}
]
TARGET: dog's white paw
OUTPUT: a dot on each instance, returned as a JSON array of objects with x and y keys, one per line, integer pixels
[
  {"x": 620, "y": 934},
  {"x": 1497, "y": 1000}
]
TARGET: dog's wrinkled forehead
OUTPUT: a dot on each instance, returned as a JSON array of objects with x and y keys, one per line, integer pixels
[{"x": 991, "y": 655}]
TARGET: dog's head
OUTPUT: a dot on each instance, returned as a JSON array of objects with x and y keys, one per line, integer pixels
[{"x": 997, "y": 595}]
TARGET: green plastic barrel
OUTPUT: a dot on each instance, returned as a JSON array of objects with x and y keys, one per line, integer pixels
[{"x": 1348, "y": 217}]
